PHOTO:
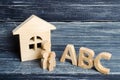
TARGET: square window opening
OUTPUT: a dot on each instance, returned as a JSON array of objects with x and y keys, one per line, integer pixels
[
  {"x": 39, "y": 45},
  {"x": 31, "y": 46}
]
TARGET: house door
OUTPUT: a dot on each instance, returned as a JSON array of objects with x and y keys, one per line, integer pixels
[{"x": 35, "y": 44}]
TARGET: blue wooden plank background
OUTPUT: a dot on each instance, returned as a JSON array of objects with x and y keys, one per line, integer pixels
[
  {"x": 100, "y": 31},
  {"x": 61, "y": 10},
  {"x": 99, "y": 36}
]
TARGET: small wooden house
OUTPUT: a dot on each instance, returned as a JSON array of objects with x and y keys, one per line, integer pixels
[{"x": 31, "y": 33}]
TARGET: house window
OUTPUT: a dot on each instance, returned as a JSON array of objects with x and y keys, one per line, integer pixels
[
  {"x": 39, "y": 45},
  {"x": 35, "y": 42},
  {"x": 31, "y": 46}
]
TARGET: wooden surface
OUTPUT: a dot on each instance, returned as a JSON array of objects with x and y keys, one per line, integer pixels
[
  {"x": 66, "y": 15},
  {"x": 99, "y": 36},
  {"x": 60, "y": 10}
]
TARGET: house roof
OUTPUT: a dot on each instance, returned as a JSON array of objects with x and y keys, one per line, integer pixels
[{"x": 33, "y": 24}]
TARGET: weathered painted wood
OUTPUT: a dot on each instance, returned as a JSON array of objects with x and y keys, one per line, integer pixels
[
  {"x": 60, "y": 10},
  {"x": 99, "y": 36}
]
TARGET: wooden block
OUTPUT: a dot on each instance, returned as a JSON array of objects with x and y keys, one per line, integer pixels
[
  {"x": 32, "y": 33},
  {"x": 69, "y": 53},
  {"x": 85, "y": 59},
  {"x": 53, "y": 56},
  {"x": 51, "y": 61},
  {"x": 44, "y": 59},
  {"x": 97, "y": 64}
]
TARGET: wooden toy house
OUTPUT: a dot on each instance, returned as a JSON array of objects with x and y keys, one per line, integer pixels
[{"x": 32, "y": 32}]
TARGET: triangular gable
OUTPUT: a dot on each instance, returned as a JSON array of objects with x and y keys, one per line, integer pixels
[{"x": 33, "y": 23}]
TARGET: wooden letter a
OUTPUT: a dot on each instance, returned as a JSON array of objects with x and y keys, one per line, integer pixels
[{"x": 69, "y": 53}]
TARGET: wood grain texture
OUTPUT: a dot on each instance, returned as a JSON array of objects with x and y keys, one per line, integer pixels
[
  {"x": 60, "y": 10},
  {"x": 99, "y": 36}
]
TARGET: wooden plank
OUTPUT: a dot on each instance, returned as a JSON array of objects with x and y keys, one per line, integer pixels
[
  {"x": 57, "y": 10},
  {"x": 99, "y": 36}
]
